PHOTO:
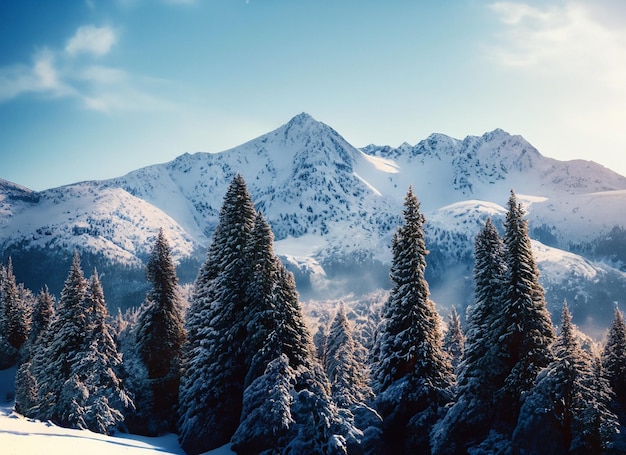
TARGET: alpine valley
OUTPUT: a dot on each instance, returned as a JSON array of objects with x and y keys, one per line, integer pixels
[{"x": 334, "y": 209}]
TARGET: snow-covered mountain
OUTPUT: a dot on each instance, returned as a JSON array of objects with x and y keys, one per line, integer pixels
[{"x": 334, "y": 208}]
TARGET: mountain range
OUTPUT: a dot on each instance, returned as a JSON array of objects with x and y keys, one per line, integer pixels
[{"x": 334, "y": 208}]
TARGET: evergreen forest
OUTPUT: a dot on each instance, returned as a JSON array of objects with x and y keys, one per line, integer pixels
[{"x": 235, "y": 361}]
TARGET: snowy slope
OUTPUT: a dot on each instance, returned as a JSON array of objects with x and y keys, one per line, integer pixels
[
  {"x": 86, "y": 216},
  {"x": 21, "y": 436}
]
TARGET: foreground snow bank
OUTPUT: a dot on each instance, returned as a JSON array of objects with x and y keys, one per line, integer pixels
[{"x": 19, "y": 436}]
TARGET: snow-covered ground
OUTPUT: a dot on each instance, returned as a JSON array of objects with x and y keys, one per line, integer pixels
[{"x": 21, "y": 436}]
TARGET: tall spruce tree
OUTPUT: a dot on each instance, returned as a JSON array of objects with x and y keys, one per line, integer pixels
[
  {"x": 160, "y": 335},
  {"x": 212, "y": 384},
  {"x": 300, "y": 416},
  {"x": 528, "y": 328},
  {"x": 244, "y": 323},
  {"x": 261, "y": 305},
  {"x": 96, "y": 369},
  {"x": 67, "y": 335},
  {"x": 483, "y": 370},
  {"x": 25, "y": 381},
  {"x": 614, "y": 360},
  {"x": 567, "y": 411},
  {"x": 77, "y": 367},
  {"x": 17, "y": 314},
  {"x": 412, "y": 373}
]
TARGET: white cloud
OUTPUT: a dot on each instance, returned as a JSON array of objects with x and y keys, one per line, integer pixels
[
  {"x": 90, "y": 39},
  {"x": 41, "y": 77},
  {"x": 568, "y": 61},
  {"x": 57, "y": 74},
  {"x": 567, "y": 40}
]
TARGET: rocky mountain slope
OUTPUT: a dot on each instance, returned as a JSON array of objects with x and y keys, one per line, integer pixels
[{"x": 334, "y": 209}]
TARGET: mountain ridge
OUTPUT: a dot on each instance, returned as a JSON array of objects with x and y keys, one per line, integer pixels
[{"x": 343, "y": 202}]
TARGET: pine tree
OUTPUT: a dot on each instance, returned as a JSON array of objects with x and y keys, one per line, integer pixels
[
  {"x": 43, "y": 315},
  {"x": 211, "y": 390},
  {"x": 97, "y": 368},
  {"x": 67, "y": 335},
  {"x": 454, "y": 339},
  {"x": 261, "y": 306},
  {"x": 26, "y": 387},
  {"x": 528, "y": 329},
  {"x": 160, "y": 335},
  {"x": 277, "y": 336},
  {"x": 567, "y": 410},
  {"x": 614, "y": 359},
  {"x": 17, "y": 314},
  {"x": 266, "y": 412},
  {"x": 245, "y": 328},
  {"x": 412, "y": 373},
  {"x": 292, "y": 331},
  {"x": 482, "y": 370},
  {"x": 77, "y": 365},
  {"x": 345, "y": 370}
]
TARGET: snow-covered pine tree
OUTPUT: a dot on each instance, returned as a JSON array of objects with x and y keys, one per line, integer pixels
[
  {"x": 347, "y": 373},
  {"x": 319, "y": 341},
  {"x": 17, "y": 314},
  {"x": 25, "y": 381},
  {"x": 260, "y": 314},
  {"x": 567, "y": 411},
  {"x": 412, "y": 374},
  {"x": 266, "y": 415},
  {"x": 43, "y": 315},
  {"x": 482, "y": 370},
  {"x": 212, "y": 384},
  {"x": 614, "y": 360},
  {"x": 159, "y": 336},
  {"x": 454, "y": 339},
  {"x": 528, "y": 328},
  {"x": 97, "y": 368},
  {"x": 67, "y": 335}
]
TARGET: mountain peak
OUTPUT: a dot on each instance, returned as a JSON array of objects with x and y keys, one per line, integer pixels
[{"x": 301, "y": 118}]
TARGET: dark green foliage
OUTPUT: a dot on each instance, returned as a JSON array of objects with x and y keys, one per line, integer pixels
[
  {"x": 509, "y": 334},
  {"x": 567, "y": 411},
  {"x": 211, "y": 391},
  {"x": 160, "y": 335},
  {"x": 16, "y": 312},
  {"x": 412, "y": 373},
  {"x": 614, "y": 359},
  {"x": 246, "y": 333},
  {"x": 528, "y": 330},
  {"x": 76, "y": 365},
  {"x": 67, "y": 334},
  {"x": 124, "y": 287},
  {"x": 410, "y": 336},
  {"x": 26, "y": 387}
]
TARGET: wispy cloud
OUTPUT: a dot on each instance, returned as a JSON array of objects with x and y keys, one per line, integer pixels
[
  {"x": 61, "y": 74},
  {"x": 90, "y": 39},
  {"x": 567, "y": 39},
  {"x": 40, "y": 77}
]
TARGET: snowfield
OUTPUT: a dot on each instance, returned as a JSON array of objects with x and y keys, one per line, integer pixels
[{"x": 22, "y": 436}]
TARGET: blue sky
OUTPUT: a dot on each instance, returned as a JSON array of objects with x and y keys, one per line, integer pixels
[{"x": 96, "y": 88}]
